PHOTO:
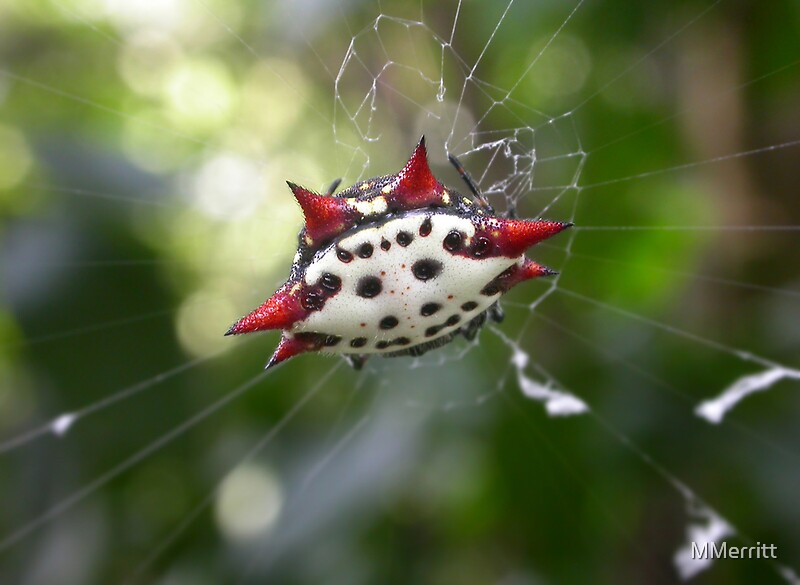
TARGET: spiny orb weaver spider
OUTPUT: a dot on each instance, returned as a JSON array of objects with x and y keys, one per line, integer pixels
[{"x": 396, "y": 265}]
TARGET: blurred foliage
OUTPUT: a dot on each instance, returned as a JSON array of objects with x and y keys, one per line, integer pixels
[{"x": 144, "y": 147}]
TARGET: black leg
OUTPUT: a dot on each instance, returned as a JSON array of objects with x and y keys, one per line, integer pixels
[
  {"x": 481, "y": 200},
  {"x": 356, "y": 361},
  {"x": 333, "y": 187},
  {"x": 496, "y": 312}
]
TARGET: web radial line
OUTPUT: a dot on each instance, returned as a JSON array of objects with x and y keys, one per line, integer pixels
[
  {"x": 368, "y": 97},
  {"x": 695, "y": 164},
  {"x": 251, "y": 453},
  {"x": 82, "y": 493},
  {"x": 657, "y": 380},
  {"x": 556, "y": 402},
  {"x": 108, "y": 110},
  {"x": 337, "y": 104},
  {"x": 474, "y": 130},
  {"x": 546, "y": 46},
  {"x": 89, "y": 328},
  {"x": 651, "y": 377},
  {"x": 549, "y": 118},
  {"x": 61, "y": 423},
  {"x": 258, "y": 57},
  {"x": 101, "y": 264},
  {"x": 705, "y": 102},
  {"x": 386, "y": 56},
  {"x": 693, "y": 275},
  {"x": 105, "y": 196},
  {"x": 573, "y": 187},
  {"x": 260, "y": 162},
  {"x": 343, "y": 409},
  {"x": 334, "y": 77},
  {"x": 153, "y": 262},
  {"x": 648, "y": 55},
  {"x": 93, "y": 328},
  {"x": 572, "y": 235},
  {"x": 689, "y": 496},
  {"x": 736, "y": 352},
  {"x": 87, "y": 23},
  {"x": 489, "y": 41},
  {"x": 613, "y": 518},
  {"x": 337, "y": 447},
  {"x": 469, "y": 76},
  {"x": 687, "y": 228},
  {"x": 455, "y": 23},
  {"x": 252, "y": 562},
  {"x": 319, "y": 57}
]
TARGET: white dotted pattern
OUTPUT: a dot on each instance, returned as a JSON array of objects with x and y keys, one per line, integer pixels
[{"x": 402, "y": 296}]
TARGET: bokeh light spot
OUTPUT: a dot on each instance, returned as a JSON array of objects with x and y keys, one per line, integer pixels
[
  {"x": 147, "y": 59},
  {"x": 15, "y": 157},
  {"x": 228, "y": 187},
  {"x": 200, "y": 95},
  {"x": 248, "y": 503},
  {"x": 561, "y": 70},
  {"x": 202, "y": 319}
]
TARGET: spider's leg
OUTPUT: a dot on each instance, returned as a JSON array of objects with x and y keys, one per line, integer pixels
[
  {"x": 496, "y": 313},
  {"x": 356, "y": 361},
  {"x": 333, "y": 187},
  {"x": 470, "y": 332},
  {"x": 481, "y": 200}
]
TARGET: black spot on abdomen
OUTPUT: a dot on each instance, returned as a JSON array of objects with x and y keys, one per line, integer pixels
[
  {"x": 452, "y": 241},
  {"x": 429, "y": 309},
  {"x": 312, "y": 300},
  {"x": 330, "y": 282},
  {"x": 365, "y": 250},
  {"x": 389, "y": 322},
  {"x": 426, "y": 269},
  {"x": 383, "y": 344},
  {"x": 435, "y": 330},
  {"x": 425, "y": 228},
  {"x": 344, "y": 255},
  {"x": 404, "y": 238},
  {"x": 369, "y": 286}
]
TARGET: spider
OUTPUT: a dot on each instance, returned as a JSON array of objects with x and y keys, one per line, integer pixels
[{"x": 396, "y": 265}]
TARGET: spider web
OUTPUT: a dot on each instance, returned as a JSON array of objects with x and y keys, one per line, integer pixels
[{"x": 317, "y": 466}]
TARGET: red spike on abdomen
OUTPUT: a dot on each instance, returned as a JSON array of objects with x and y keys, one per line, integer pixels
[
  {"x": 513, "y": 236},
  {"x": 415, "y": 185},
  {"x": 528, "y": 270},
  {"x": 326, "y": 217},
  {"x": 517, "y": 273},
  {"x": 282, "y": 310},
  {"x": 292, "y": 345}
]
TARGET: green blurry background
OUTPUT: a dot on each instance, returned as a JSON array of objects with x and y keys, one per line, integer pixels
[{"x": 144, "y": 146}]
